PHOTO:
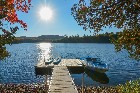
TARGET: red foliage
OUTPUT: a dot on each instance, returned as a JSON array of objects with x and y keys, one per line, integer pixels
[
  {"x": 8, "y": 9},
  {"x": 84, "y": 8}
]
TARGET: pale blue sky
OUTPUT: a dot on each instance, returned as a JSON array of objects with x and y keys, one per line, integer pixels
[{"x": 61, "y": 24}]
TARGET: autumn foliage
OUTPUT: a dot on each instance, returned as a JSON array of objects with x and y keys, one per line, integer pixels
[
  {"x": 95, "y": 15},
  {"x": 8, "y": 15},
  {"x": 8, "y": 10}
]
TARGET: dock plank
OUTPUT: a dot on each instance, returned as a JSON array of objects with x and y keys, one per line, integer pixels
[
  {"x": 64, "y": 62},
  {"x": 61, "y": 81},
  {"x": 70, "y": 62}
]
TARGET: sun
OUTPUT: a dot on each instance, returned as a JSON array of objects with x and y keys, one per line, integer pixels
[{"x": 46, "y": 13}]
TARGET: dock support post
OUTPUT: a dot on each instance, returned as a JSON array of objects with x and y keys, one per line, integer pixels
[
  {"x": 83, "y": 83},
  {"x": 46, "y": 84}
]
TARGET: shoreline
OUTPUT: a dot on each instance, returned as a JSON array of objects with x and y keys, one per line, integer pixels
[
  {"x": 97, "y": 89},
  {"x": 43, "y": 88},
  {"x": 24, "y": 88}
]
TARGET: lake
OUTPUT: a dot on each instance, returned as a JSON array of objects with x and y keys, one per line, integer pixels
[{"x": 19, "y": 67}]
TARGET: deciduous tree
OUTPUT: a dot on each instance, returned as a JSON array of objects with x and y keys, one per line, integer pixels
[
  {"x": 123, "y": 14},
  {"x": 8, "y": 21}
]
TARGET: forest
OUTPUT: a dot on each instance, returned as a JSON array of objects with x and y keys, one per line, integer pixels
[{"x": 101, "y": 38}]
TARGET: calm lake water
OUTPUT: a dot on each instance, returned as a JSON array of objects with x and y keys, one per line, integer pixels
[{"x": 19, "y": 67}]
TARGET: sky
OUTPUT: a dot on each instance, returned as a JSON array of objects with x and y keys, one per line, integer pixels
[{"x": 62, "y": 22}]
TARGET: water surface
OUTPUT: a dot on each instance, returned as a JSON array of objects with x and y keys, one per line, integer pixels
[{"x": 19, "y": 68}]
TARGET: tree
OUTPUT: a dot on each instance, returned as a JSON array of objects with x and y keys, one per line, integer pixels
[
  {"x": 8, "y": 16},
  {"x": 123, "y": 14}
]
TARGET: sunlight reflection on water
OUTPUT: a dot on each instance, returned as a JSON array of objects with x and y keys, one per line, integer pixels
[{"x": 45, "y": 50}]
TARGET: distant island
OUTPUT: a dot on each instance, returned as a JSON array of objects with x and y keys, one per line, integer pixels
[{"x": 101, "y": 38}]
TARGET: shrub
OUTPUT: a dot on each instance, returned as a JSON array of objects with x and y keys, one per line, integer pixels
[{"x": 129, "y": 87}]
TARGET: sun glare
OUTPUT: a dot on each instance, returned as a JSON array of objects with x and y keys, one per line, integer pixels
[
  {"x": 46, "y": 13},
  {"x": 45, "y": 49}
]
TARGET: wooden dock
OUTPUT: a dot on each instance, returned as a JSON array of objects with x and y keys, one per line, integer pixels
[
  {"x": 64, "y": 62},
  {"x": 61, "y": 81}
]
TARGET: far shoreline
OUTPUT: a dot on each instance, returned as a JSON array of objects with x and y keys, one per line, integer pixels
[{"x": 61, "y": 42}]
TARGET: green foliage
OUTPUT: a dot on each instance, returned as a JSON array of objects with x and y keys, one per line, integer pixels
[
  {"x": 6, "y": 38},
  {"x": 123, "y": 14},
  {"x": 101, "y": 38},
  {"x": 129, "y": 39},
  {"x": 129, "y": 87}
]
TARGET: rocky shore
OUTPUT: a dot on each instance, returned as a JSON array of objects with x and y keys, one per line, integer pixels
[
  {"x": 23, "y": 88},
  {"x": 97, "y": 90},
  {"x": 42, "y": 88}
]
